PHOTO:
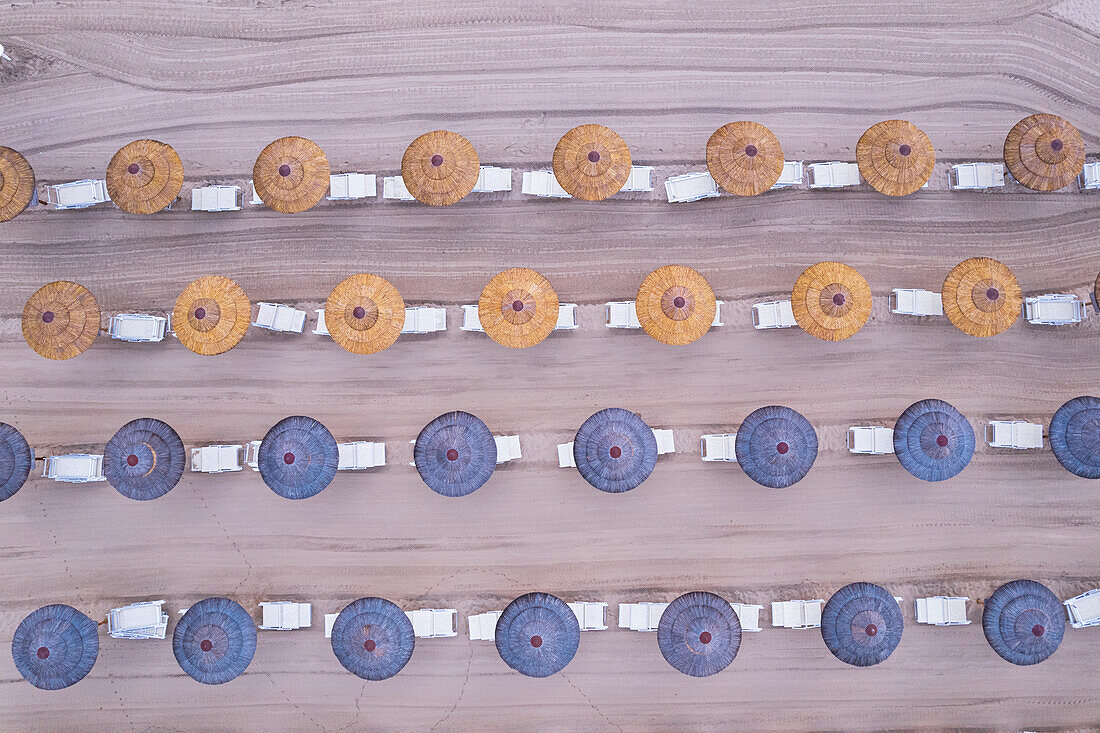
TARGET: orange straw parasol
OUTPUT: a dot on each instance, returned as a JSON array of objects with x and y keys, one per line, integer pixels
[
  {"x": 675, "y": 305},
  {"x": 895, "y": 157},
  {"x": 61, "y": 320},
  {"x": 211, "y": 315},
  {"x": 16, "y": 183},
  {"x": 365, "y": 313},
  {"x": 1044, "y": 152},
  {"x": 981, "y": 297},
  {"x": 439, "y": 168},
  {"x": 518, "y": 308},
  {"x": 831, "y": 301},
  {"x": 591, "y": 162},
  {"x": 744, "y": 158},
  {"x": 291, "y": 174},
  {"x": 144, "y": 177}
]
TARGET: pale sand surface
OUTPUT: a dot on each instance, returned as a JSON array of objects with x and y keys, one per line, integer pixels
[{"x": 220, "y": 81}]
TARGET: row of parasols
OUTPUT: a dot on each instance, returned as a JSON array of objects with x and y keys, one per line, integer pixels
[
  {"x": 537, "y": 634},
  {"x": 591, "y": 162},
  {"x": 614, "y": 450},
  {"x": 518, "y": 308}
]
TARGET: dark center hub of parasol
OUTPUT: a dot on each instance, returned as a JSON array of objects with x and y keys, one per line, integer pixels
[
  {"x": 941, "y": 441},
  {"x": 615, "y": 451},
  {"x": 751, "y": 151},
  {"x": 536, "y": 641},
  {"x": 704, "y": 638},
  {"x": 131, "y": 460},
  {"x": 43, "y": 652},
  {"x": 593, "y": 157},
  {"x": 437, "y": 160},
  {"x": 993, "y": 293},
  {"x": 1056, "y": 145},
  {"x": 452, "y": 455},
  {"x": 47, "y": 317},
  {"x": 206, "y": 645},
  {"x": 782, "y": 449},
  {"x": 200, "y": 313},
  {"x": 838, "y": 299},
  {"x": 1038, "y": 629},
  {"x": 284, "y": 170},
  {"x": 517, "y": 305},
  {"x": 359, "y": 312},
  {"x": 679, "y": 302},
  {"x": 288, "y": 458},
  {"x": 369, "y": 645},
  {"x": 905, "y": 150},
  {"x": 871, "y": 629},
  {"x": 133, "y": 169}
]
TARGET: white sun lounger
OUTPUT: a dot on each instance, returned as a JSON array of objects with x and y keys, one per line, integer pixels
[
  {"x": 361, "y": 454},
  {"x": 639, "y": 179},
  {"x": 591, "y": 616},
  {"x": 542, "y": 184},
  {"x": 394, "y": 189},
  {"x": 491, "y": 179},
  {"x": 255, "y": 200},
  {"x": 664, "y": 441},
  {"x": 915, "y": 302},
  {"x": 833, "y": 175},
  {"x": 874, "y": 440},
  {"x": 567, "y": 318},
  {"x": 78, "y": 194},
  {"x": 483, "y": 626},
  {"x": 286, "y": 615},
  {"x": 4, "y": 55},
  {"x": 507, "y": 448},
  {"x": 349, "y": 186},
  {"x": 1017, "y": 434},
  {"x": 216, "y": 198},
  {"x": 216, "y": 458},
  {"x": 976, "y": 176},
  {"x": 146, "y": 620},
  {"x": 74, "y": 468},
  {"x": 1089, "y": 179},
  {"x": 942, "y": 611},
  {"x": 138, "y": 327},
  {"x": 776, "y": 314},
  {"x": 791, "y": 175},
  {"x": 281, "y": 318},
  {"x": 748, "y": 615},
  {"x": 565, "y": 456},
  {"x": 321, "y": 329},
  {"x": 330, "y": 621},
  {"x": 624, "y": 314},
  {"x": 1059, "y": 309},
  {"x": 691, "y": 187},
  {"x": 719, "y": 447},
  {"x": 433, "y": 623},
  {"x": 640, "y": 616},
  {"x": 797, "y": 614},
  {"x": 421, "y": 319},
  {"x": 1084, "y": 610},
  {"x": 252, "y": 455}
]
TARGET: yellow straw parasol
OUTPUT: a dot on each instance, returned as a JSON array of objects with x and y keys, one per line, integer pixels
[
  {"x": 61, "y": 320},
  {"x": 744, "y": 158},
  {"x": 591, "y": 162},
  {"x": 1044, "y": 152},
  {"x": 365, "y": 313},
  {"x": 439, "y": 168},
  {"x": 518, "y": 308},
  {"x": 144, "y": 177},
  {"x": 895, "y": 157},
  {"x": 675, "y": 305},
  {"x": 831, "y": 301},
  {"x": 291, "y": 174},
  {"x": 981, "y": 297},
  {"x": 16, "y": 183},
  {"x": 211, "y": 315}
]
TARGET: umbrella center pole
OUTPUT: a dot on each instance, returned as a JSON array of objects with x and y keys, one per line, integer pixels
[
  {"x": 782, "y": 449},
  {"x": 133, "y": 169},
  {"x": 206, "y": 645},
  {"x": 1038, "y": 630},
  {"x": 871, "y": 630},
  {"x": 47, "y": 317},
  {"x": 437, "y": 160},
  {"x": 536, "y": 641},
  {"x": 751, "y": 151},
  {"x": 941, "y": 441},
  {"x": 131, "y": 460},
  {"x": 284, "y": 170},
  {"x": 452, "y": 455},
  {"x": 1056, "y": 145},
  {"x": 369, "y": 645},
  {"x": 704, "y": 638},
  {"x": 615, "y": 451},
  {"x": 288, "y": 458},
  {"x": 43, "y": 653},
  {"x": 905, "y": 150}
]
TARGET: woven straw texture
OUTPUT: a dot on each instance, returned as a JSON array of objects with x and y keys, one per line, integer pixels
[
  {"x": 365, "y": 314},
  {"x": 455, "y": 454},
  {"x": 373, "y": 638},
  {"x": 776, "y": 446},
  {"x": 298, "y": 457},
  {"x": 518, "y": 308},
  {"x": 675, "y": 305},
  {"x": 144, "y": 177},
  {"x": 1044, "y": 152},
  {"x": 61, "y": 320},
  {"x": 440, "y": 168},
  {"x": 745, "y": 158},
  {"x": 1075, "y": 436},
  {"x": 16, "y": 183},
  {"x": 862, "y": 624},
  {"x": 933, "y": 441},
  {"x": 591, "y": 162},
  {"x": 144, "y": 460},
  {"x": 831, "y": 301},
  {"x": 55, "y": 647},
  {"x": 895, "y": 157},
  {"x": 981, "y": 297},
  {"x": 537, "y": 635},
  {"x": 699, "y": 634},
  {"x": 615, "y": 450},
  {"x": 211, "y": 315},
  {"x": 1024, "y": 622},
  {"x": 291, "y": 174},
  {"x": 214, "y": 642},
  {"x": 16, "y": 461}
]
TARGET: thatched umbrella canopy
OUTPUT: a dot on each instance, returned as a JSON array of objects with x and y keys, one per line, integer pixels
[
  {"x": 745, "y": 158},
  {"x": 591, "y": 162},
  {"x": 144, "y": 177},
  {"x": 365, "y": 314},
  {"x": 862, "y": 624},
  {"x": 211, "y": 315},
  {"x": 291, "y": 174},
  {"x": 831, "y": 301},
  {"x": 1024, "y": 622},
  {"x": 615, "y": 450},
  {"x": 1044, "y": 152},
  {"x": 55, "y": 647},
  {"x": 699, "y": 634},
  {"x": 144, "y": 459},
  {"x": 776, "y": 446},
  {"x": 933, "y": 441},
  {"x": 895, "y": 157},
  {"x": 1096, "y": 292},
  {"x": 373, "y": 638},
  {"x": 440, "y": 168},
  {"x": 455, "y": 454},
  {"x": 675, "y": 305},
  {"x": 518, "y": 308},
  {"x": 61, "y": 320},
  {"x": 16, "y": 461},
  {"x": 298, "y": 457},
  {"x": 1075, "y": 436},
  {"x": 537, "y": 635},
  {"x": 981, "y": 297},
  {"x": 214, "y": 642},
  {"x": 16, "y": 184}
]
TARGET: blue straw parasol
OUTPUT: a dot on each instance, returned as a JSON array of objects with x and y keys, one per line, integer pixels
[
  {"x": 537, "y": 635},
  {"x": 55, "y": 647},
  {"x": 699, "y": 634},
  {"x": 373, "y": 638},
  {"x": 455, "y": 454},
  {"x": 776, "y": 446},
  {"x": 298, "y": 457},
  {"x": 933, "y": 441},
  {"x": 1075, "y": 436},
  {"x": 1024, "y": 622},
  {"x": 144, "y": 459},
  {"x": 862, "y": 624},
  {"x": 615, "y": 450},
  {"x": 214, "y": 641},
  {"x": 16, "y": 461}
]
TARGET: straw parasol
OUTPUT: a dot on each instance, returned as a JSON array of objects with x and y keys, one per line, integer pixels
[
  {"x": 1096, "y": 293},
  {"x": 1044, "y": 152},
  {"x": 16, "y": 461},
  {"x": 615, "y": 450},
  {"x": 1075, "y": 436},
  {"x": 933, "y": 441},
  {"x": 776, "y": 446},
  {"x": 214, "y": 642},
  {"x": 61, "y": 320},
  {"x": 831, "y": 301},
  {"x": 144, "y": 177},
  {"x": 981, "y": 297},
  {"x": 16, "y": 183},
  {"x": 1024, "y": 622},
  {"x": 440, "y": 168},
  {"x": 455, "y": 454},
  {"x": 298, "y": 457},
  {"x": 373, "y": 638},
  {"x": 291, "y": 174},
  {"x": 55, "y": 647},
  {"x": 699, "y": 634},
  {"x": 365, "y": 314},
  {"x": 537, "y": 635},
  {"x": 211, "y": 315},
  {"x": 591, "y": 162},
  {"x": 862, "y": 624},
  {"x": 675, "y": 305},
  {"x": 745, "y": 158},
  {"x": 144, "y": 459},
  {"x": 518, "y": 308},
  {"x": 895, "y": 157}
]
